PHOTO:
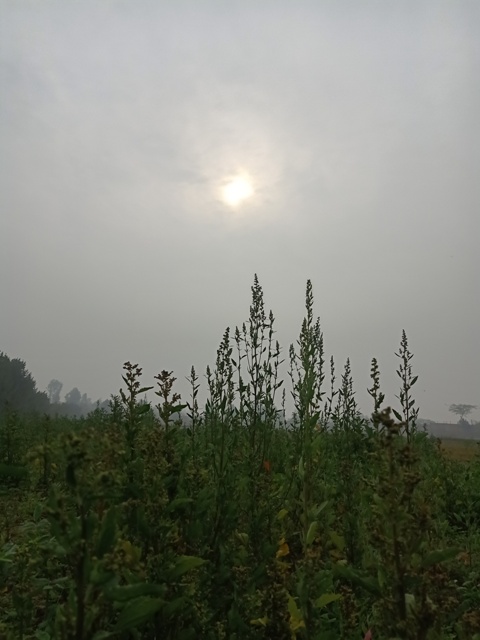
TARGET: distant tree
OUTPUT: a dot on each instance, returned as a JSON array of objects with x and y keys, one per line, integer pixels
[
  {"x": 104, "y": 404},
  {"x": 18, "y": 389},
  {"x": 73, "y": 397},
  {"x": 462, "y": 410},
  {"x": 86, "y": 404},
  {"x": 54, "y": 388}
]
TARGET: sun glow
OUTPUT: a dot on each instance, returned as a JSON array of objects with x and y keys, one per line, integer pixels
[{"x": 236, "y": 190}]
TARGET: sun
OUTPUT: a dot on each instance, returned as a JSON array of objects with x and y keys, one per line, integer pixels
[{"x": 236, "y": 190}]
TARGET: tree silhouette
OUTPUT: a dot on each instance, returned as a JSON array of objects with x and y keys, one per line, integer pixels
[
  {"x": 462, "y": 410},
  {"x": 18, "y": 389},
  {"x": 73, "y": 397},
  {"x": 54, "y": 388}
]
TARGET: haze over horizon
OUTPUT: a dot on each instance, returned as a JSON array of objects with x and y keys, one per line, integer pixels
[{"x": 156, "y": 155}]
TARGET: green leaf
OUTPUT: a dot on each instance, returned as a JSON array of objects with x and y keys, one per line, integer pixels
[
  {"x": 292, "y": 607},
  {"x": 316, "y": 443},
  {"x": 177, "y": 408},
  {"x": 370, "y": 584},
  {"x": 301, "y": 469},
  {"x": 100, "y": 577},
  {"x": 178, "y": 502},
  {"x": 242, "y": 537},
  {"x": 435, "y": 557},
  {"x": 137, "y": 612},
  {"x": 260, "y": 622},
  {"x": 410, "y": 602},
  {"x": 397, "y": 415},
  {"x": 143, "y": 390},
  {"x": 327, "y": 598},
  {"x": 142, "y": 408},
  {"x": 312, "y": 530},
  {"x": 296, "y": 619},
  {"x": 185, "y": 564},
  {"x": 131, "y": 591},
  {"x": 313, "y": 420},
  {"x": 317, "y": 509},
  {"x": 174, "y": 606},
  {"x": 338, "y": 540},
  {"x": 37, "y": 512}
]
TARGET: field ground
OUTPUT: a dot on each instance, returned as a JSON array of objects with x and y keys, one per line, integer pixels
[{"x": 463, "y": 450}]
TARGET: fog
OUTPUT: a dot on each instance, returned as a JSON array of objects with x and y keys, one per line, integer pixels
[{"x": 357, "y": 125}]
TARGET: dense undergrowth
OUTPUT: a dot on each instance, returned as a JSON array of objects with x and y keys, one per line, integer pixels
[{"x": 235, "y": 522}]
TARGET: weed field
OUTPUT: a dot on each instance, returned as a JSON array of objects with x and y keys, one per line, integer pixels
[
  {"x": 234, "y": 521},
  {"x": 465, "y": 450}
]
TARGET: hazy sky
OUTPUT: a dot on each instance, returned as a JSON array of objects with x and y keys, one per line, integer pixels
[{"x": 358, "y": 125}]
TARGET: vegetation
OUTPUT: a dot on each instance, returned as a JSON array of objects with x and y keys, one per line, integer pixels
[
  {"x": 236, "y": 522},
  {"x": 465, "y": 450},
  {"x": 462, "y": 410},
  {"x": 18, "y": 390}
]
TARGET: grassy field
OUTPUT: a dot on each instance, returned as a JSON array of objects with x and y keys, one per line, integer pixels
[
  {"x": 131, "y": 525},
  {"x": 461, "y": 450}
]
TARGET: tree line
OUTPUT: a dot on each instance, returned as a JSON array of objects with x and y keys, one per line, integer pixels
[{"x": 19, "y": 392}]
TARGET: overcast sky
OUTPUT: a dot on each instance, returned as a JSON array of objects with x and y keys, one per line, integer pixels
[{"x": 357, "y": 124}]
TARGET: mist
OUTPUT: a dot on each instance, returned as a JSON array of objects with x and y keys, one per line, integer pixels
[{"x": 357, "y": 125}]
